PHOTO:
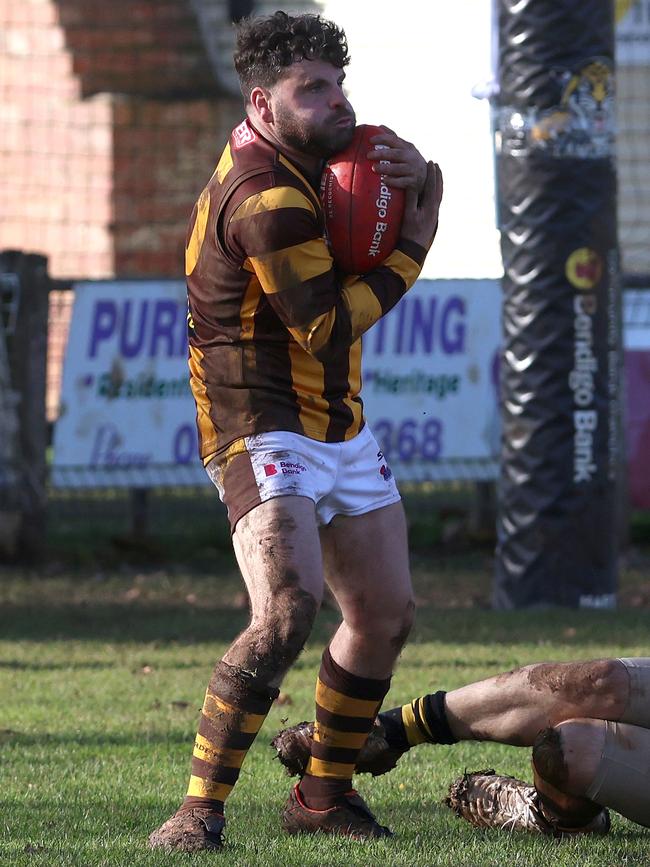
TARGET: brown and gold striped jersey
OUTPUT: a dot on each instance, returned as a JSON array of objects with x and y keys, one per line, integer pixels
[{"x": 274, "y": 329}]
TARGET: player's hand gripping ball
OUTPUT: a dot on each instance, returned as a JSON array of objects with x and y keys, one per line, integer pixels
[{"x": 363, "y": 215}]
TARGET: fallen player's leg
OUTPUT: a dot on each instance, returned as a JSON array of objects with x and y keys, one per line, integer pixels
[
  {"x": 589, "y": 724},
  {"x": 551, "y": 806},
  {"x": 511, "y": 708},
  {"x": 598, "y": 762},
  {"x": 580, "y": 765}
]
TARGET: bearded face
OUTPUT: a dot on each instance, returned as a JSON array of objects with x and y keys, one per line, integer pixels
[
  {"x": 311, "y": 113},
  {"x": 318, "y": 138}
]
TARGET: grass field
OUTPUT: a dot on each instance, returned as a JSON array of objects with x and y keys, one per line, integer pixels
[{"x": 101, "y": 681}]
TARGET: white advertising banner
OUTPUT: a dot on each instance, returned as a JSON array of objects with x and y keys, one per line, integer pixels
[
  {"x": 430, "y": 376},
  {"x": 127, "y": 413},
  {"x": 128, "y": 419}
]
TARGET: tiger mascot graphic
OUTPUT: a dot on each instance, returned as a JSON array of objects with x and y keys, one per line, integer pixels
[{"x": 582, "y": 125}]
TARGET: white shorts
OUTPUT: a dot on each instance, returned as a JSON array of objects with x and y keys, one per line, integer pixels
[{"x": 348, "y": 478}]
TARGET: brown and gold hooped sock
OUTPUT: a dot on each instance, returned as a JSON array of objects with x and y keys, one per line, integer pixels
[
  {"x": 346, "y": 706},
  {"x": 421, "y": 721},
  {"x": 235, "y": 706}
]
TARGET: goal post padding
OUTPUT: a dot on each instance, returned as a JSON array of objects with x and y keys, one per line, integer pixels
[{"x": 560, "y": 373}]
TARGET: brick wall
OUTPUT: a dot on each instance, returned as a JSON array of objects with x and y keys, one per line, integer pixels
[
  {"x": 164, "y": 153},
  {"x": 55, "y": 148},
  {"x": 142, "y": 47},
  {"x": 112, "y": 122}
]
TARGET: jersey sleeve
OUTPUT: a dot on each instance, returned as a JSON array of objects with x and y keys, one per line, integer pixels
[{"x": 277, "y": 234}]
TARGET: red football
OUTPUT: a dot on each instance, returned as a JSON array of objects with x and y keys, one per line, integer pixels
[{"x": 363, "y": 215}]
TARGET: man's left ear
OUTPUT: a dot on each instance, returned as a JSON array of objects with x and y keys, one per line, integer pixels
[{"x": 261, "y": 102}]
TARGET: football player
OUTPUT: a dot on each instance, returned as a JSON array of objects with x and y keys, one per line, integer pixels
[{"x": 275, "y": 361}]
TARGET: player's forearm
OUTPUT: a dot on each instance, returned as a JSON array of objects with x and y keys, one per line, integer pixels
[
  {"x": 324, "y": 312},
  {"x": 362, "y": 302}
]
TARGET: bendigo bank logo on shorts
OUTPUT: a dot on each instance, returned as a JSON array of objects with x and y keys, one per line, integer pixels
[
  {"x": 286, "y": 468},
  {"x": 384, "y": 470}
]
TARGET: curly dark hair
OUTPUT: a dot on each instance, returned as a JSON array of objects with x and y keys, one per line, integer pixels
[{"x": 267, "y": 46}]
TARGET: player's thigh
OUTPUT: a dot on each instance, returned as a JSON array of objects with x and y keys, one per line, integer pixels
[
  {"x": 278, "y": 550},
  {"x": 621, "y": 779},
  {"x": 366, "y": 561}
]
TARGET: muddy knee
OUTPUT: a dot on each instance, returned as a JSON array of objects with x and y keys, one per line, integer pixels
[
  {"x": 290, "y": 618},
  {"x": 276, "y": 635},
  {"x": 567, "y": 755},
  {"x": 285, "y": 626},
  {"x": 601, "y": 762}
]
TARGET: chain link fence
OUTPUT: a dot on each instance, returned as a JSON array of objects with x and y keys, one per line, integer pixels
[{"x": 108, "y": 133}]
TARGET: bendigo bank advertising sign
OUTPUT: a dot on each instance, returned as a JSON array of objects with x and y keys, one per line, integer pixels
[{"x": 127, "y": 416}]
